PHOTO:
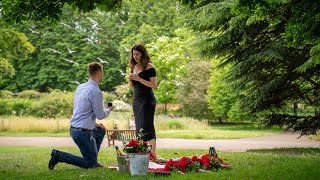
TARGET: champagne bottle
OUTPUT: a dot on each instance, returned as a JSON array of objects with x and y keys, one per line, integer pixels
[
  {"x": 213, "y": 152},
  {"x": 118, "y": 151}
]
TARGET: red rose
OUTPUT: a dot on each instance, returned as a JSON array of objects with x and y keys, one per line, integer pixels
[
  {"x": 170, "y": 162},
  {"x": 130, "y": 143},
  {"x": 166, "y": 168},
  {"x": 194, "y": 158},
  {"x": 205, "y": 160},
  {"x": 169, "y": 165},
  {"x": 135, "y": 143},
  {"x": 184, "y": 162}
]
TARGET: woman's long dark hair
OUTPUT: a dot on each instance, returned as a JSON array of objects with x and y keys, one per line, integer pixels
[{"x": 145, "y": 59}]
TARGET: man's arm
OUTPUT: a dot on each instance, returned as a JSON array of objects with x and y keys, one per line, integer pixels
[{"x": 97, "y": 105}]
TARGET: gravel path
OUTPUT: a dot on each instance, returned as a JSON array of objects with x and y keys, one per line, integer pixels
[{"x": 286, "y": 139}]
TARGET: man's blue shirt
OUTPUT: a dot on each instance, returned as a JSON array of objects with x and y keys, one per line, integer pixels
[{"x": 87, "y": 106}]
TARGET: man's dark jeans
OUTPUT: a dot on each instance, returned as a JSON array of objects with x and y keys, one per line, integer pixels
[{"x": 89, "y": 143}]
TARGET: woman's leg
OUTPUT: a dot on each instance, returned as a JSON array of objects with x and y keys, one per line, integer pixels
[{"x": 153, "y": 144}]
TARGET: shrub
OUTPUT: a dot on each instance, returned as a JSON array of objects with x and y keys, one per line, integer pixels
[
  {"x": 21, "y": 106},
  {"x": 6, "y": 94},
  {"x": 5, "y": 107},
  {"x": 124, "y": 93},
  {"x": 15, "y": 106},
  {"x": 121, "y": 106},
  {"x": 30, "y": 94},
  {"x": 56, "y": 104},
  {"x": 108, "y": 97},
  {"x": 175, "y": 125}
]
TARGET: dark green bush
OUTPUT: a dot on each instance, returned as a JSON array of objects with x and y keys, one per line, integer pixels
[
  {"x": 5, "y": 107},
  {"x": 15, "y": 106},
  {"x": 30, "y": 94},
  {"x": 55, "y": 104},
  {"x": 21, "y": 106}
]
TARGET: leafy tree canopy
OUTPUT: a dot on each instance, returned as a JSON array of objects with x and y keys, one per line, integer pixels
[
  {"x": 35, "y": 10},
  {"x": 13, "y": 45},
  {"x": 64, "y": 50}
]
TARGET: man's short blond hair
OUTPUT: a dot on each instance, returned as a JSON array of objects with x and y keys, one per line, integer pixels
[{"x": 94, "y": 68}]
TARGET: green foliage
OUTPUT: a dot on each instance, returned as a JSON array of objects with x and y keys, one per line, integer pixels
[
  {"x": 175, "y": 124},
  {"x": 124, "y": 92},
  {"x": 36, "y": 10},
  {"x": 221, "y": 97},
  {"x": 271, "y": 46},
  {"x": 144, "y": 22},
  {"x": 170, "y": 57},
  {"x": 6, "y": 94},
  {"x": 108, "y": 97},
  {"x": 91, "y": 36},
  {"x": 15, "y": 106},
  {"x": 5, "y": 107},
  {"x": 192, "y": 93},
  {"x": 30, "y": 94},
  {"x": 237, "y": 113},
  {"x": 265, "y": 43},
  {"x": 13, "y": 45},
  {"x": 64, "y": 50},
  {"x": 6, "y": 68},
  {"x": 56, "y": 104},
  {"x": 21, "y": 106}
]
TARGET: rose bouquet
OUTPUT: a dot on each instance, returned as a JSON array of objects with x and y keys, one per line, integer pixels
[
  {"x": 195, "y": 164},
  {"x": 137, "y": 145}
]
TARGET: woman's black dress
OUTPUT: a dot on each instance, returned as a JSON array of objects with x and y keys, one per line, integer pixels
[{"x": 144, "y": 105}]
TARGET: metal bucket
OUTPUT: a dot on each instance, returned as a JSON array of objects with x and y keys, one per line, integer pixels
[
  {"x": 123, "y": 163},
  {"x": 139, "y": 164}
]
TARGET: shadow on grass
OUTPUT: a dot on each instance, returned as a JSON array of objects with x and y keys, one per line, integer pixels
[{"x": 289, "y": 151}]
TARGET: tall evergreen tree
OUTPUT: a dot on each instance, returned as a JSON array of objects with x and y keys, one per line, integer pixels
[{"x": 273, "y": 47}]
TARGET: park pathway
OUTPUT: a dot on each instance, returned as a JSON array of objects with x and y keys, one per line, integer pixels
[{"x": 286, "y": 139}]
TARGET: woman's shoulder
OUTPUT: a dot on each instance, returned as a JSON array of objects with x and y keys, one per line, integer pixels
[{"x": 150, "y": 66}]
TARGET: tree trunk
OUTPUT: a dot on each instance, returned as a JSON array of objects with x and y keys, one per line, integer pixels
[
  {"x": 295, "y": 109},
  {"x": 165, "y": 108}
]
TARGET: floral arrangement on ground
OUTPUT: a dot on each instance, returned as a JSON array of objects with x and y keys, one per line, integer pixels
[{"x": 196, "y": 164}]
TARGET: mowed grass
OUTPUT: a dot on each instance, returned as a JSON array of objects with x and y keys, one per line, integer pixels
[
  {"x": 31, "y": 163},
  {"x": 185, "y": 128}
]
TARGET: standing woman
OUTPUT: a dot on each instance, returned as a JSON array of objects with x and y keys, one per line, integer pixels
[{"x": 143, "y": 79}]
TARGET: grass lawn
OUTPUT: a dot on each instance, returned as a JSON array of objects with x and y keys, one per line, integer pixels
[
  {"x": 220, "y": 132},
  {"x": 216, "y": 132},
  {"x": 186, "y": 128},
  {"x": 31, "y": 163}
]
